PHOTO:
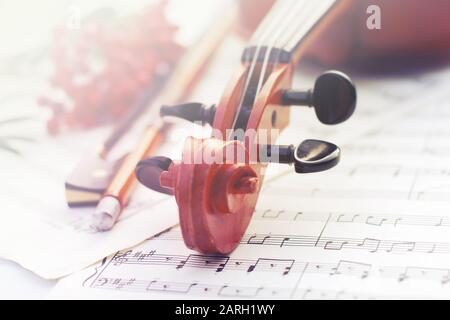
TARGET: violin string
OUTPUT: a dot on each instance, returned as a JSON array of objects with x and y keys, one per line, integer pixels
[
  {"x": 281, "y": 15},
  {"x": 298, "y": 11},
  {"x": 287, "y": 21},
  {"x": 307, "y": 8},
  {"x": 303, "y": 12},
  {"x": 301, "y": 28},
  {"x": 265, "y": 33},
  {"x": 268, "y": 21}
]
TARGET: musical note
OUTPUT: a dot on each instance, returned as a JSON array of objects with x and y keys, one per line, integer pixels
[
  {"x": 239, "y": 292},
  {"x": 258, "y": 239},
  {"x": 370, "y": 244},
  {"x": 298, "y": 216},
  {"x": 286, "y": 239},
  {"x": 425, "y": 273},
  {"x": 165, "y": 286},
  {"x": 207, "y": 262},
  {"x": 343, "y": 218},
  {"x": 314, "y": 294},
  {"x": 335, "y": 245},
  {"x": 352, "y": 267},
  {"x": 402, "y": 247},
  {"x": 282, "y": 266},
  {"x": 272, "y": 214},
  {"x": 375, "y": 221}
]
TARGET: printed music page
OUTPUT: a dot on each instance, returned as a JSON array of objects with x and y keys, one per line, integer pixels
[
  {"x": 42, "y": 219},
  {"x": 38, "y": 230},
  {"x": 376, "y": 226}
]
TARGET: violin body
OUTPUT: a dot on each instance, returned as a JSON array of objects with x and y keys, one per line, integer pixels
[
  {"x": 217, "y": 181},
  {"x": 408, "y": 28}
]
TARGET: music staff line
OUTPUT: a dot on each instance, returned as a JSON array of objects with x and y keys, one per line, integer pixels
[
  {"x": 377, "y": 220},
  {"x": 216, "y": 263},
  {"x": 416, "y": 132},
  {"x": 391, "y": 170},
  {"x": 377, "y": 149},
  {"x": 437, "y": 193},
  {"x": 314, "y": 294},
  {"x": 203, "y": 289},
  {"x": 283, "y": 267},
  {"x": 229, "y": 291},
  {"x": 193, "y": 288},
  {"x": 334, "y": 243},
  {"x": 226, "y": 291},
  {"x": 220, "y": 290}
]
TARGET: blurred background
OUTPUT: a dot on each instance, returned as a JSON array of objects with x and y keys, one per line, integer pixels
[
  {"x": 69, "y": 66},
  {"x": 74, "y": 65}
]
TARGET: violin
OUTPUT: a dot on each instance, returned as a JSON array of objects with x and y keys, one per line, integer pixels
[
  {"x": 217, "y": 181},
  {"x": 410, "y": 32}
]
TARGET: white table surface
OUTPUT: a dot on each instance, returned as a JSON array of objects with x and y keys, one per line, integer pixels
[{"x": 19, "y": 283}]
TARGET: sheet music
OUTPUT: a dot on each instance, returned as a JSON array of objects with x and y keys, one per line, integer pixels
[
  {"x": 37, "y": 229},
  {"x": 376, "y": 226},
  {"x": 42, "y": 234}
]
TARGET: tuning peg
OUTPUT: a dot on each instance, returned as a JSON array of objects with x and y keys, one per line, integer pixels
[
  {"x": 333, "y": 97},
  {"x": 148, "y": 173},
  {"x": 310, "y": 156},
  {"x": 193, "y": 112}
]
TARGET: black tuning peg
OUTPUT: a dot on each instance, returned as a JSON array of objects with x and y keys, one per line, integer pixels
[
  {"x": 149, "y": 170},
  {"x": 193, "y": 112},
  {"x": 333, "y": 97},
  {"x": 310, "y": 156}
]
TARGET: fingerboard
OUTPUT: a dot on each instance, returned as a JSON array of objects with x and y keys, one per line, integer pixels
[{"x": 285, "y": 27}]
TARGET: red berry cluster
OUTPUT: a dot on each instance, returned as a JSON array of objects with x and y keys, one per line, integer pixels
[{"x": 106, "y": 64}]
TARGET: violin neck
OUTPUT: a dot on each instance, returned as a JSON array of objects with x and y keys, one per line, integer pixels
[{"x": 285, "y": 28}]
